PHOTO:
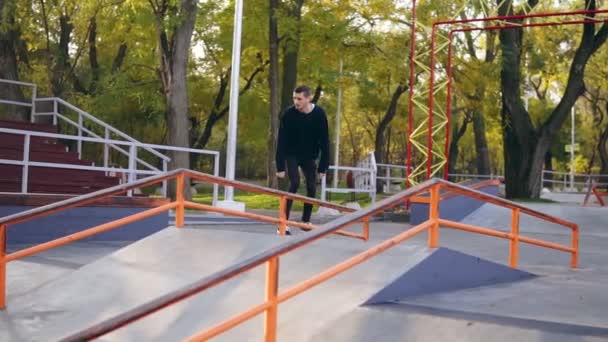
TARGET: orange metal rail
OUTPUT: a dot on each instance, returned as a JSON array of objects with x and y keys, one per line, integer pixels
[
  {"x": 271, "y": 258},
  {"x": 179, "y": 205},
  {"x": 448, "y": 194},
  {"x": 600, "y": 195}
]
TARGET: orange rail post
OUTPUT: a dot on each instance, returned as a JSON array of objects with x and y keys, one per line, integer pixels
[
  {"x": 282, "y": 215},
  {"x": 598, "y": 195},
  {"x": 434, "y": 217},
  {"x": 514, "y": 244},
  {"x": 272, "y": 290},
  {"x": 366, "y": 229},
  {"x": 2, "y": 267},
  {"x": 574, "y": 261},
  {"x": 179, "y": 198}
]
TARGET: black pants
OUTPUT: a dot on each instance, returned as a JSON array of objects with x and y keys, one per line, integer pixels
[{"x": 309, "y": 168}]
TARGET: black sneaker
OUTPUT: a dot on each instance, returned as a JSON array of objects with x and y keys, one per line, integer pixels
[
  {"x": 287, "y": 231},
  {"x": 305, "y": 229}
]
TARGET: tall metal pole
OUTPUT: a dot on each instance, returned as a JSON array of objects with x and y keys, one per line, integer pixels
[
  {"x": 234, "y": 98},
  {"x": 410, "y": 118},
  {"x": 338, "y": 123},
  {"x": 572, "y": 149}
]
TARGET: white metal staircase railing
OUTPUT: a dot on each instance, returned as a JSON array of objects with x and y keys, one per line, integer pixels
[
  {"x": 113, "y": 139},
  {"x": 31, "y": 104}
]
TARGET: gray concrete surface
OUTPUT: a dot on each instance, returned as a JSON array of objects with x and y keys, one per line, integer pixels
[
  {"x": 559, "y": 305},
  {"x": 173, "y": 258}
]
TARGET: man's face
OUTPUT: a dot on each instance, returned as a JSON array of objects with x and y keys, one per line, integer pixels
[{"x": 301, "y": 101}]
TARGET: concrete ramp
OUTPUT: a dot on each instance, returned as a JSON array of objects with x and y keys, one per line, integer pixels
[
  {"x": 447, "y": 270},
  {"x": 175, "y": 257},
  {"x": 559, "y": 304},
  {"x": 592, "y": 221},
  {"x": 397, "y": 323}
]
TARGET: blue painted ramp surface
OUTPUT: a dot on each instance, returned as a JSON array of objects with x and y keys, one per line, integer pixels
[
  {"x": 77, "y": 219},
  {"x": 455, "y": 208},
  {"x": 447, "y": 270}
]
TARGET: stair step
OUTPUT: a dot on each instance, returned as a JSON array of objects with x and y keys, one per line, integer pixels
[
  {"x": 28, "y": 126},
  {"x": 56, "y": 177},
  {"x": 44, "y": 156},
  {"x": 68, "y": 178},
  {"x": 68, "y": 187},
  {"x": 48, "y": 150},
  {"x": 34, "y": 146},
  {"x": 53, "y": 173},
  {"x": 17, "y": 140},
  {"x": 56, "y": 189}
]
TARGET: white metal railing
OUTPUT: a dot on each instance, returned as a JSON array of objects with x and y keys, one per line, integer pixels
[
  {"x": 107, "y": 129},
  {"x": 131, "y": 171},
  {"x": 564, "y": 179},
  {"x": 84, "y": 134},
  {"x": 31, "y": 104},
  {"x": 474, "y": 176},
  {"x": 364, "y": 174},
  {"x": 390, "y": 174},
  {"x": 568, "y": 181}
]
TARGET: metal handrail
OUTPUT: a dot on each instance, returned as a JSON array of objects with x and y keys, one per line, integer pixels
[
  {"x": 122, "y": 188},
  {"x": 31, "y": 104},
  {"x": 132, "y": 170},
  {"x": 102, "y": 123},
  {"x": 445, "y": 195},
  {"x": 180, "y": 204},
  {"x": 271, "y": 256}
]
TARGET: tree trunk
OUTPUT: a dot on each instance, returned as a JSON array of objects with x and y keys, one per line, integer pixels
[
  {"x": 548, "y": 167},
  {"x": 481, "y": 144},
  {"x": 457, "y": 134},
  {"x": 317, "y": 94},
  {"x": 291, "y": 48},
  {"x": 177, "y": 90},
  {"x": 9, "y": 40},
  {"x": 93, "y": 62},
  {"x": 391, "y": 111},
  {"x": 61, "y": 64},
  {"x": 120, "y": 57},
  {"x": 519, "y": 136},
  {"x": 273, "y": 84},
  {"x": 602, "y": 149},
  {"x": 380, "y": 151}
]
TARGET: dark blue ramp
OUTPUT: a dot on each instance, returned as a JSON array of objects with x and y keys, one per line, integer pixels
[
  {"x": 447, "y": 270},
  {"x": 455, "y": 208},
  {"x": 73, "y": 220}
]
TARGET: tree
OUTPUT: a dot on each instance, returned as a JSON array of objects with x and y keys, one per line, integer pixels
[
  {"x": 381, "y": 148},
  {"x": 597, "y": 100},
  {"x": 291, "y": 48},
  {"x": 175, "y": 26},
  {"x": 458, "y": 131},
  {"x": 525, "y": 145},
  {"x": 10, "y": 43},
  {"x": 273, "y": 85}
]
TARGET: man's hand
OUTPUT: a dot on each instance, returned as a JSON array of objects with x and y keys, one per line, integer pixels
[
  {"x": 321, "y": 174},
  {"x": 281, "y": 174}
]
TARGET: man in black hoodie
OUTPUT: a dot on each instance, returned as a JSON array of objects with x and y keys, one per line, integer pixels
[{"x": 302, "y": 135}]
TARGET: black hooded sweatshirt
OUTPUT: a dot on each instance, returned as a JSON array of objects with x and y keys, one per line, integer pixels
[{"x": 303, "y": 136}]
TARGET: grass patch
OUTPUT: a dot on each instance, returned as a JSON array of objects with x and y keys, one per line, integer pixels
[{"x": 262, "y": 201}]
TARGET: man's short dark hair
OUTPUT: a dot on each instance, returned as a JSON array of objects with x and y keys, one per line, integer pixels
[{"x": 305, "y": 90}]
